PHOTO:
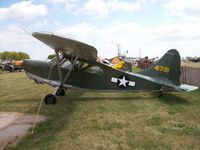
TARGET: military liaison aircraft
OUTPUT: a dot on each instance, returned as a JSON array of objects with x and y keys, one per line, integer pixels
[{"x": 76, "y": 67}]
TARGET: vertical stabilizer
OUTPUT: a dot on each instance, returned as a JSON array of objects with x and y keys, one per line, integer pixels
[{"x": 167, "y": 68}]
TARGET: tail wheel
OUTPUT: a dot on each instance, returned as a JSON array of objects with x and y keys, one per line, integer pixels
[{"x": 50, "y": 99}]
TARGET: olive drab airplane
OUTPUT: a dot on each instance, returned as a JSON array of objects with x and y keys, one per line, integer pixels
[{"x": 75, "y": 66}]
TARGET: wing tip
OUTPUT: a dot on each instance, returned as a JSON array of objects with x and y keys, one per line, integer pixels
[{"x": 37, "y": 34}]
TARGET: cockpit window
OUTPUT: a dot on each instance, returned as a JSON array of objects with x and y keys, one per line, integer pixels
[
  {"x": 66, "y": 64},
  {"x": 53, "y": 61},
  {"x": 86, "y": 67},
  {"x": 79, "y": 66},
  {"x": 94, "y": 70}
]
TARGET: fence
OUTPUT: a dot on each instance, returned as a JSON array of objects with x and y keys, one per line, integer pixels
[{"x": 190, "y": 76}]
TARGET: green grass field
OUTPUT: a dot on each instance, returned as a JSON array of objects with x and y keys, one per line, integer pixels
[{"x": 96, "y": 121}]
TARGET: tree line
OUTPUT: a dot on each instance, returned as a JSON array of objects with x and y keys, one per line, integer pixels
[{"x": 13, "y": 56}]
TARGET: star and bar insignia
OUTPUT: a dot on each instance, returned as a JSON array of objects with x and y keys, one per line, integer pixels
[{"x": 123, "y": 81}]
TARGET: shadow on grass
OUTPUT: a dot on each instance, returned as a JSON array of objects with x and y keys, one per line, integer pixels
[
  {"x": 96, "y": 96},
  {"x": 168, "y": 98},
  {"x": 173, "y": 99},
  {"x": 127, "y": 98}
]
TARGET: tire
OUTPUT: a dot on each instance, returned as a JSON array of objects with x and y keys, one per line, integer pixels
[{"x": 50, "y": 99}]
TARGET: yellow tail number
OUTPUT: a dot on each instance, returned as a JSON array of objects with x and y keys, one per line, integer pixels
[{"x": 162, "y": 68}]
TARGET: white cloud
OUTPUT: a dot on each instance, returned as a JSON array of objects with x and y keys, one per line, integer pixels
[
  {"x": 183, "y": 7},
  {"x": 58, "y": 1},
  {"x": 132, "y": 36},
  {"x": 57, "y": 23},
  {"x": 101, "y": 8},
  {"x": 13, "y": 38},
  {"x": 153, "y": 41},
  {"x": 95, "y": 7},
  {"x": 125, "y": 6},
  {"x": 69, "y": 4},
  {"x": 40, "y": 24},
  {"x": 23, "y": 10},
  {"x": 81, "y": 31},
  {"x": 98, "y": 8},
  {"x": 178, "y": 32},
  {"x": 63, "y": 1}
]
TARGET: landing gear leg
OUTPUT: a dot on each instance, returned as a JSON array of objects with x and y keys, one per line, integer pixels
[{"x": 60, "y": 91}]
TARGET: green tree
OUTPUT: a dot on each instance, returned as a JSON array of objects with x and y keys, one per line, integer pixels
[
  {"x": 6, "y": 56},
  {"x": 51, "y": 56},
  {"x": 23, "y": 55},
  {"x": 10, "y": 56}
]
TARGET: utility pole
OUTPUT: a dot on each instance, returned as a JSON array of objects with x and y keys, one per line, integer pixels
[{"x": 119, "y": 50}]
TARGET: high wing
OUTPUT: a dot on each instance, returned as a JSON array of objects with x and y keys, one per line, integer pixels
[{"x": 69, "y": 47}]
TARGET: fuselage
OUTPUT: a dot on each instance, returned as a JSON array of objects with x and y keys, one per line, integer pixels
[{"x": 98, "y": 77}]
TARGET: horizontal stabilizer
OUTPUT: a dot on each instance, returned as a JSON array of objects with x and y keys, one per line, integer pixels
[
  {"x": 186, "y": 87},
  {"x": 69, "y": 47}
]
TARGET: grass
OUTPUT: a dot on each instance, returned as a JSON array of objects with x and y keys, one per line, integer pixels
[
  {"x": 86, "y": 120},
  {"x": 190, "y": 64},
  {"x": 136, "y": 69}
]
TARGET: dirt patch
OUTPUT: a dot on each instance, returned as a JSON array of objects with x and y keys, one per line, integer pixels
[{"x": 14, "y": 126}]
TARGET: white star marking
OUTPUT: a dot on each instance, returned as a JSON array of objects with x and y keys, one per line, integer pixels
[{"x": 123, "y": 81}]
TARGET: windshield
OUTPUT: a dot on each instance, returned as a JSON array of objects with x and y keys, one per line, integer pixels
[{"x": 79, "y": 65}]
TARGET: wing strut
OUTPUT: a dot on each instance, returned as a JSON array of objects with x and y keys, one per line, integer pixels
[
  {"x": 59, "y": 67},
  {"x": 70, "y": 70}
]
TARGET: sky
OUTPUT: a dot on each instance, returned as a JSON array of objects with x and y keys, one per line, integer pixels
[{"x": 149, "y": 27}]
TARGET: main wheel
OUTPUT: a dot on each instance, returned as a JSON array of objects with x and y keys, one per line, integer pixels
[
  {"x": 60, "y": 92},
  {"x": 50, "y": 99}
]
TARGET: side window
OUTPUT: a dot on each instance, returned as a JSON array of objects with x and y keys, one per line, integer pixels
[
  {"x": 86, "y": 67},
  {"x": 65, "y": 63},
  {"x": 94, "y": 70},
  {"x": 80, "y": 65}
]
